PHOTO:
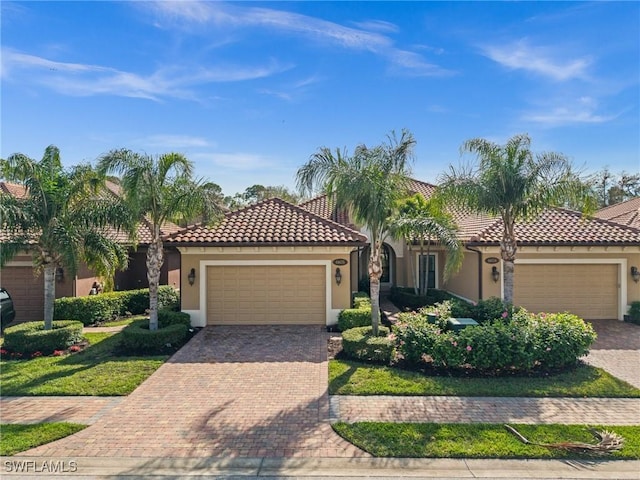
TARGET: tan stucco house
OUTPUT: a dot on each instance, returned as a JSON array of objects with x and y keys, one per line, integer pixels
[{"x": 26, "y": 288}]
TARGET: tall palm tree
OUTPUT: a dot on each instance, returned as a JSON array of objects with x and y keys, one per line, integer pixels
[
  {"x": 161, "y": 188},
  {"x": 63, "y": 220},
  {"x": 425, "y": 220},
  {"x": 368, "y": 186},
  {"x": 515, "y": 184}
]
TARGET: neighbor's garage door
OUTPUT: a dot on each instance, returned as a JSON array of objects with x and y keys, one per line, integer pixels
[
  {"x": 587, "y": 290},
  {"x": 26, "y": 290},
  {"x": 266, "y": 294}
]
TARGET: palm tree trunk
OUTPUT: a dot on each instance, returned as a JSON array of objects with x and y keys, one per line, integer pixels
[
  {"x": 375, "y": 272},
  {"x": 49, "y": 294},
  {"x": 413, "y": 269},
  {"x": 508, "y": 248},
  {"x": 155, "y": 258}
]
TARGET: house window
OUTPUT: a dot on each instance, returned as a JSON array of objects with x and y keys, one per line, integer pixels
[
  {"x": 427, "y": 272},
  {"x": 386, "y": 265}
]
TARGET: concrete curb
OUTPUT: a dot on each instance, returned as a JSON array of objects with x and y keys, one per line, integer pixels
[{"x": 343, "y": 468}]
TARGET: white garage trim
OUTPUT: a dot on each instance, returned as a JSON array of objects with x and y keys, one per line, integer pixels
[
  {"x": 622, "y": 277},
  {"x": 199, "y": 317}
]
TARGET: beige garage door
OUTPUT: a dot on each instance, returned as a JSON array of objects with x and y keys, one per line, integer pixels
[
  {"x": 589, "y": 291},
  {"x": 26, "y": 290},
  {"x": 266, "y": 294}
]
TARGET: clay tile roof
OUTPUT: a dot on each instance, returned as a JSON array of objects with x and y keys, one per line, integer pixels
[
  {"x": 559, "y": 226},
  {"x": 271, "y": 222},
  {"x": 18, "y": 191},
  {"x": 144, "y": 229},
  {"x": 624, "y": 213},
  {"x": 320, "y": 204}
]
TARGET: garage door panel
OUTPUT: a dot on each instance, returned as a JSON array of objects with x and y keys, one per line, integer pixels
[
  {"x": 266, "y": 294},
  {"x": 587, "y": 290},
  {"x": 26, "y": 290}
]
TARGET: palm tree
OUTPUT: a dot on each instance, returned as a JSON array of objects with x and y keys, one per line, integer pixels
[
  {"x": 63, "y": 220},
  {"x": 425, "y": 220},
  {"x": 162, "y": 189},
  {"x": 515, "y": 184},
  {"x": 368, "y": 186}
]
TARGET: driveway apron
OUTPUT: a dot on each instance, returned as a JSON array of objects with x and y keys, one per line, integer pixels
[
  {"x": 241, "y": 391},
  {"x": 617, "y": 350}
]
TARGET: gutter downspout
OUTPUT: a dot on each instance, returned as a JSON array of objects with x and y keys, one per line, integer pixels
[{"x": 467, "y": 247}]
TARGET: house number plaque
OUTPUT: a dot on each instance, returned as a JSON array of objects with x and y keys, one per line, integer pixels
[
  {"x": 340, "y": 261},
  {"x": 492, "y": 260}
]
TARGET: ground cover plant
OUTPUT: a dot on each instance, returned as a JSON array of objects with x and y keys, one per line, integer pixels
[
  {"x": 18, "y": 438},
  {"x": 448, "y": 440},
  {"x": 347, "y": 377},
  {"x": 99, "y": 369}
]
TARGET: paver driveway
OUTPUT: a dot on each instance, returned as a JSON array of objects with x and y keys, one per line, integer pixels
[{"x": 231, "y": 391}]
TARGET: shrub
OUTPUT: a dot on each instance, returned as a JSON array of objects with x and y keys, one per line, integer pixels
[
  {"x": 361, "y": 300},
  {"x": 560, "y": 338},
  {"x": 107, "y": 306},
  {"x": 137, "y": 338},
  {"x": 526, "y": 342},
  {"x": 360, "y": 344},
  {"x": 31, "y": 337},
  {"x": 169, "y": 317},
  {"x": 88, "y": 310},
  {"x": 634, "y": 312},
  {"x": 354, "y": 317},
  {"x": 492, "y": 308},
  {"x": 406, "y": 298}
]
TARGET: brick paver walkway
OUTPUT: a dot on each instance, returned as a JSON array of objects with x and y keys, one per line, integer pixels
[
  {"x": 83, "y": 410},
  {"x": 594, "y": 411},
  {"x": 230, "y": 392},
  {"x": 617, "y": 350}
]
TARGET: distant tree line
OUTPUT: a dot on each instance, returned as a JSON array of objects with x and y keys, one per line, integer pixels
[{"x": 611, "y": 188}]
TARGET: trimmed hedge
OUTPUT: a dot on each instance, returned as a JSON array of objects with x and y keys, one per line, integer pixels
[
  {"x": 354, "y": 317},
  {"x": 168, "y": 317},
  {"x": 31, "y": 337},
  {"x": 107, "y": 306},
  {"x": 404, "y": 297},
  {"x": 359, "y": 344},
  {"x": 137, "y": 338},
  {"x": 523, "y": 343}
]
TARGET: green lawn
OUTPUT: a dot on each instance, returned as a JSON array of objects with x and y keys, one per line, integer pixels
[
  {"x": 354, "y": 378},
  {"x": 448, "y": 440},
  {"x": 18, "y": 438},
  {"x": 94, "y": 371}
]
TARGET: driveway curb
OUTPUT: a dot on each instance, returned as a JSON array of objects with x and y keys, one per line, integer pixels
[{"x": 344, "y": 468}]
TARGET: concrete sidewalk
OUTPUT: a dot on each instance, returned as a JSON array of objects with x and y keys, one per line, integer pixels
[{"x": 319, "y": 468}]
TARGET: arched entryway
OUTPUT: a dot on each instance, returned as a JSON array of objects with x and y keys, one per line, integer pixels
[{"x": 388, "y": 260}]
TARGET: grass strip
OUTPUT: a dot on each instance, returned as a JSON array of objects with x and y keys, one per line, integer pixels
[
  {"x": 449, "y": 440},
  {"x": 97, "y": 370},
  {"x": 355, "y": 378},
  {"x": 18, "y": 438}
]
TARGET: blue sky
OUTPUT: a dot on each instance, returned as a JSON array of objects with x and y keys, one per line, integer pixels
[{"x": 250, "y": 90}]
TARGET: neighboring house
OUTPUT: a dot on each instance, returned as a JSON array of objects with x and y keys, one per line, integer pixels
[
  {"x": 27, "y": 289},
  {"x": 565, "y": 262},
  {"x": 624, "y": 213},
  {"x": 269, "y": 263}
]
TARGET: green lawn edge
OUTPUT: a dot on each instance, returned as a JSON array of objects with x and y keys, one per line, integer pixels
[
  {"x": 96, "y": 371},
  {"x": 348, "y": 377},
  {"x": 17, "y": 438},
  {"x": 477, "y": 440}
]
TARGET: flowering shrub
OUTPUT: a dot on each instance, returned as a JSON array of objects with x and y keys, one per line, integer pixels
[{"x": 522, "y": 343}]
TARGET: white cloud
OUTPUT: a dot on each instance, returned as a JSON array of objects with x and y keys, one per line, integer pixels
[
  {"x": 377, "y": 25},
  {"x": 174, "y": 141},
  {"x": 85, "y": 80},
  {"x": 582, "y": 110},
  {"x": 359, "y": 39},
  {"x": 540, "y": 60},
  {"x": 234, "y": 161}
]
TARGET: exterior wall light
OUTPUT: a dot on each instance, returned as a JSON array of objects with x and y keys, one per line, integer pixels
[
  {"x": 495, "y": 274},
  {"x": 59, "y": 275},
  {"x": 338, "y": 276},
  {"x": 192, "y": 276},
  {"x": 635, "y": 274}
]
